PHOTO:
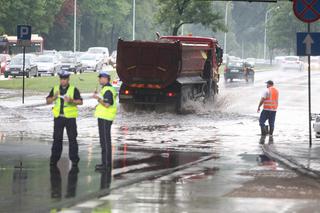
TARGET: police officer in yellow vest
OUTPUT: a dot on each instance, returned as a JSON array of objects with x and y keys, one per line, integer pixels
[
  {"x": 106, "y": 111},
  {"x": 65, "y": 97}
]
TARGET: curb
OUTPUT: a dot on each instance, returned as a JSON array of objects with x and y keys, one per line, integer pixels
[{"x": 270, "y": 151}]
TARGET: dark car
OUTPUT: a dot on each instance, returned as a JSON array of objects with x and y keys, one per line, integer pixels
[
  {"x": 15, "y": 68},
  {"x": 239, "y": 70},
  {"x": 70, "y": 63}
]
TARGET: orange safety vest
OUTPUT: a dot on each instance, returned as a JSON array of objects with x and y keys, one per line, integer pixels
[{"x": 271, "y": 102}]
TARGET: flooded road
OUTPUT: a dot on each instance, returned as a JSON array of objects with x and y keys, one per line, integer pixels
[{"x": 145, "y": 142}]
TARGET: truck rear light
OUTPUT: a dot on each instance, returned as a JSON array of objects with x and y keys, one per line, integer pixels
[
  {"x": 171, "y": 94},
  {"x": 115, "y": 82},
  {"x": 126, "y": 92}
]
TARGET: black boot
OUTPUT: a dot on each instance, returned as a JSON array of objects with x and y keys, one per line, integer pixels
[
  {"x": 263, "y": 130},
  {"x": 271, "y": 131}
]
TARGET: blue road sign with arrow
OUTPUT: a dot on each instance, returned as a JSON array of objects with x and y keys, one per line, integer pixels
[{"x": 308, "y": 44}]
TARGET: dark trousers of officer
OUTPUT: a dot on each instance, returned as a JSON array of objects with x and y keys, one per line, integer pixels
[
  {"x": 105, "y": 141},
  {"x": 267, "y": 115},
  {"x": 71, "y": 125}
]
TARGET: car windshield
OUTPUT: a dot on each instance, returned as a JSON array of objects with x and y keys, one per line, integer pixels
[
  {"x": 236, "y": 64},
  {"x": 96, "y": 50},
  {"x": 68, "y": 59},
  {"x": 66, "y": 54},
  {"x": 88, "y": 57},
  {"x": 291, "y": 59},
  {"x": 44, "y": 59},
  {"x": 19, "y": 61}
]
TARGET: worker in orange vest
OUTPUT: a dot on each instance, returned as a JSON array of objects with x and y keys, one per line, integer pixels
[{"x": 269, "y": 100}]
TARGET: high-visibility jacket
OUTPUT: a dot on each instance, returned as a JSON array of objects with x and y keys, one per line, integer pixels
[
  {"x": 107, "y": 113},
  {"x": 70, "y": 109},
  {"x": 271, "y": 102}
]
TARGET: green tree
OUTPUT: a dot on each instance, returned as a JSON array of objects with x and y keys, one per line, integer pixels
[
  {"x": 282, "y": 28},
  {"x": 172, "y": 14},
  {"x": 37, "y": 13}
]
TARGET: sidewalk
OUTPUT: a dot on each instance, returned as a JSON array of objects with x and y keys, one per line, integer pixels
[{"x": 297, "y": 156}]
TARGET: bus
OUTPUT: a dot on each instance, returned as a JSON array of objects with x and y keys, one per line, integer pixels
[{"x": 8, "y": 45}]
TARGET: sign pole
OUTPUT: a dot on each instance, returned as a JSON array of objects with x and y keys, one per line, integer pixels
[
  {"x": 309, "y": 94},
  {"x": 23, "y": 72}
]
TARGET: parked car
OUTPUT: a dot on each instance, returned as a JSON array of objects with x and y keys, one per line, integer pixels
[
  {"x": 4, "y": 61},
  {"x": 48, "y": 65},
  {"x": 103, "y": 51},
  {"x": 251, "y": 61},
  {"x": 52, "y": 53},
  {"x": 91, "y": 61},
  {"x": 278, "y": 60},
  {"x": 315, "y": 62},
  {"x": 316, "y": 125},
  {"x": 70, "y": 63},
  {"x": 239, "y": 70},
  {"x": 15, "y": 68},
  {"x": 113, "y": 58},
  {"x": 292, "y": 63}
]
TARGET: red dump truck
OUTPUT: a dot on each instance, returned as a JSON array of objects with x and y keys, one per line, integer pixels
[{"x": 170, "y": 70}]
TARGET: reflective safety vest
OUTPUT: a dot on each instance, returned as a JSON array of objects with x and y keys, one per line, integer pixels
[
  {"x": 107, "y": 113},
  {"x": 271, "y": 102},
  {"x": 70, "y": 109}
]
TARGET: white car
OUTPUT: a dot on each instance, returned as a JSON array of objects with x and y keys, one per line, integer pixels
[
  {"x": 316, "y": 125},
  {"x": 47, "y": 65},
  {"x": 292, "y": 63},
  {"x": 91, "y": 61},
  {"x": 103, "y": 51},
  {"x": 314, "y": 62}
]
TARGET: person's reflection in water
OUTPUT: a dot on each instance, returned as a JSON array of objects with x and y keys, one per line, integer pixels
[
  {"x": 105, "y": 179},
  {"x": 72, "y": 182},
  {"x": 56, "y": 182}
]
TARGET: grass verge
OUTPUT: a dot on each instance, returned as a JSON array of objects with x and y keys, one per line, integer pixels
[{"x": 85, "y": 82}]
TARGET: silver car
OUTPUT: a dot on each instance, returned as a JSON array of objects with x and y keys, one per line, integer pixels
[{"x": 47, "y": 65}]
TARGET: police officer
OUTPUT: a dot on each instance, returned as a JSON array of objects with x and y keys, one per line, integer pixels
[
  {"x": 269, "y": 100},
  {"x": 65, "y": 97},
  {"x": 106, "y": 111}
]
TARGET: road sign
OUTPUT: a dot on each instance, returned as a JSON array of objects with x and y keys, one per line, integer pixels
[
  {"x": 24, "y": 35},
  {"x": 307, "y": 10},
  {"x": 23, "y": 39},
  {"x": 308, "y": 44}
]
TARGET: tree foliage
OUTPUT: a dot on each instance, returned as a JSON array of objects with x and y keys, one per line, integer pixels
[{"x": 173, "y": 14}]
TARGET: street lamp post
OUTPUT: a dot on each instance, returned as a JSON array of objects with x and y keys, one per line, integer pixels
[
  {"x": 265, "y": 32},
  {"x": 226, "y": 23},
  {"x": 75, "y": 27},
  {"x": 134, "y": 20}
]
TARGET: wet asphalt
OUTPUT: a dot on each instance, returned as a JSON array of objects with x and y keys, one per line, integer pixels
[{"x": 237, "y": 178}]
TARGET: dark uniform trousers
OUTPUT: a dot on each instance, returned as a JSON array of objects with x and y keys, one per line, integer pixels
[
  {"x": 105, "y": 141},
  {"x": 71, "y": 125}
]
